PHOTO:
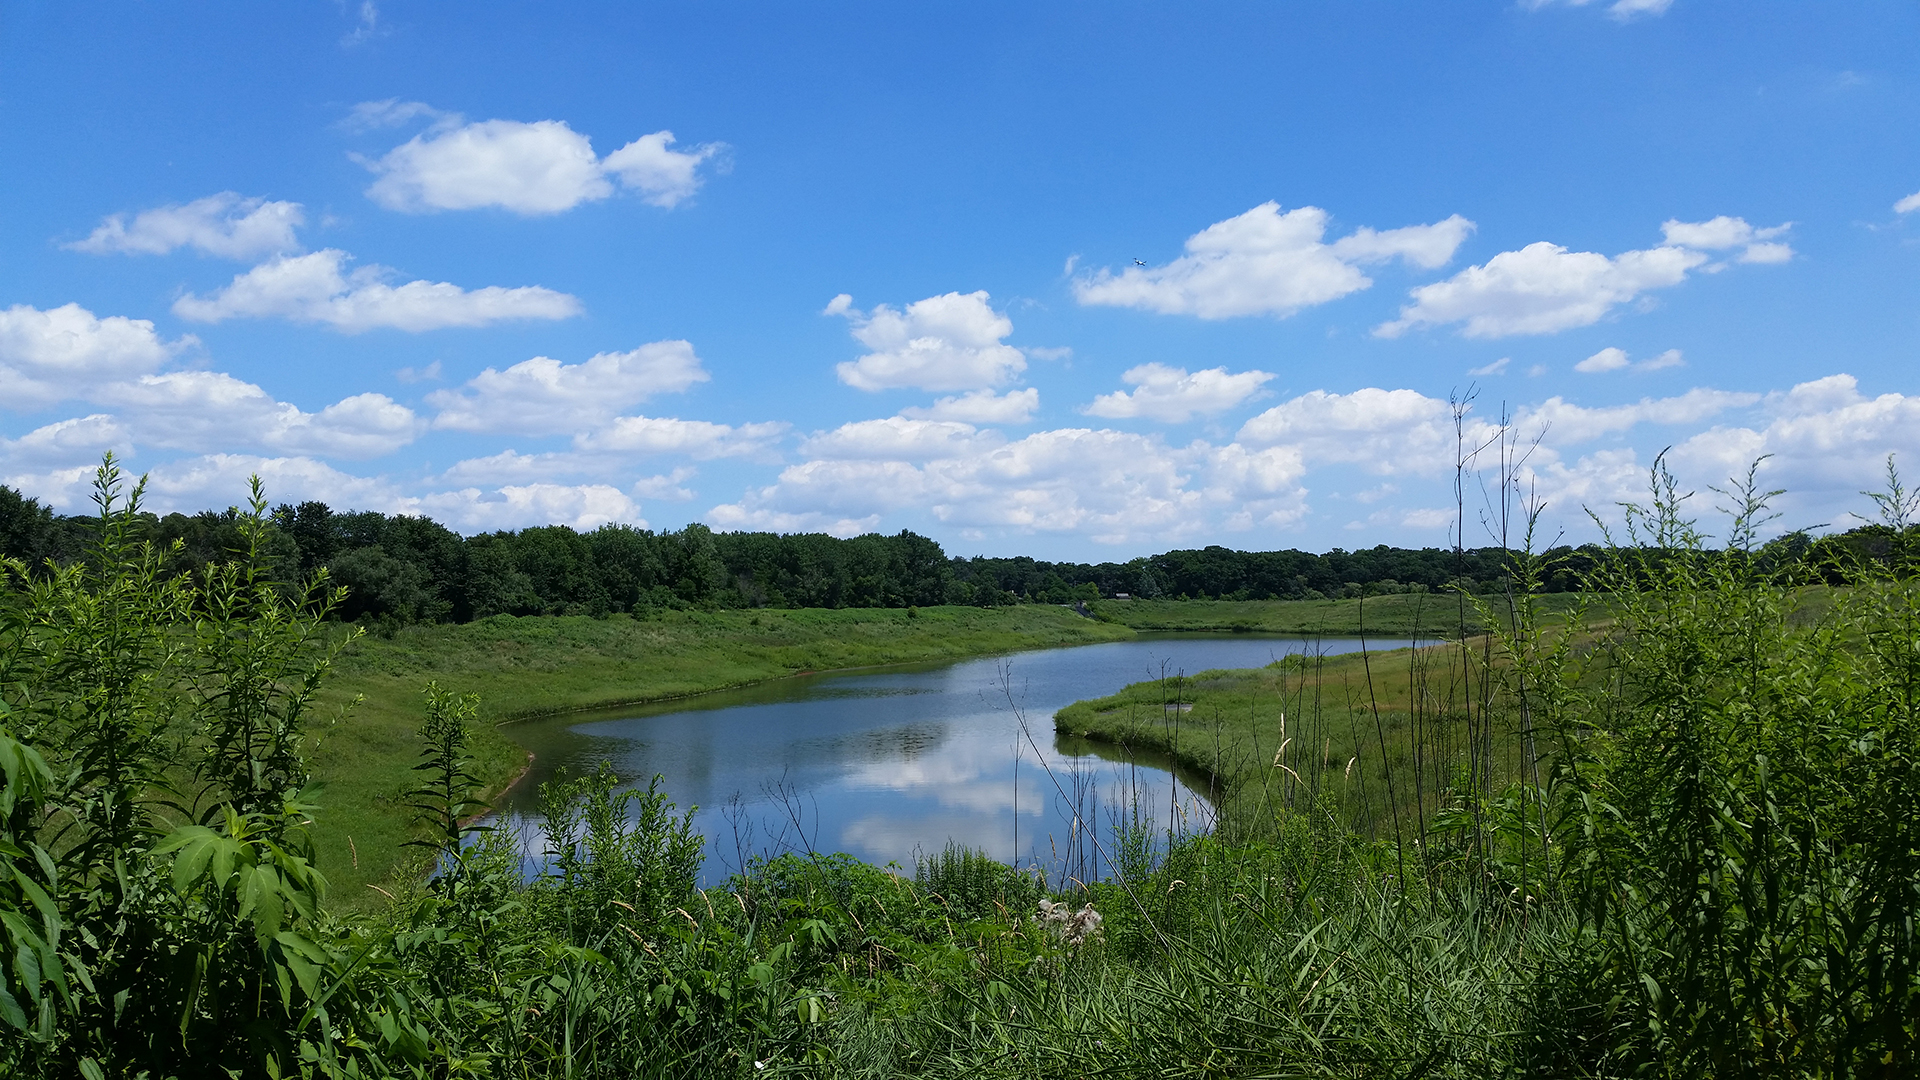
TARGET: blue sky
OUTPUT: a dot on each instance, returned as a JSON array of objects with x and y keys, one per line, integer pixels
[{"x": 1077, "y": 281}]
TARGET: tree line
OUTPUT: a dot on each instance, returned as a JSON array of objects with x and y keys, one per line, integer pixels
[{"x": 401, "y": 569}]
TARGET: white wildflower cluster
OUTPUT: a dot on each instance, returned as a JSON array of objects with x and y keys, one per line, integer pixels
[{"x": 1074, "y": 927}]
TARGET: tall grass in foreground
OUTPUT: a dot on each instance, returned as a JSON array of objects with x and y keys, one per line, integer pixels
[{"x": 1674, "y": 840}]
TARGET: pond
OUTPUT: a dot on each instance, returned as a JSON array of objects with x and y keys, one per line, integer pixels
[{"x": 888, "y": 764}]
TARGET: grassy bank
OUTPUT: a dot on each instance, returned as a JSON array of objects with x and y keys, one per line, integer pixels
[
  {"x": 523, "y": 667},
  {"x": 1395, "y": 615},
  {"x": 1342, "y": 733}
]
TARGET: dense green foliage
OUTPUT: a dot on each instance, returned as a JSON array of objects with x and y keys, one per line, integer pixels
[{"x": 399, "y": 569}]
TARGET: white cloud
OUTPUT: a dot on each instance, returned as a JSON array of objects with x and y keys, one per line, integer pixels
[
  {"x": 1541, "y": 289},
  {"x": 1265, "y": 262},
  {"x": 367, "y": 28},
  {"x": 1908, "y": 205},
  {"x": 1619, "y": 10},
  {"x": 698, "y": 439},
  {"x": 665, "y": 485},
  {"x": 901, "y": 439},
  {"x": 1607, "y": 359},
  {"x": 65, "y": 442},
  {"x": 1384, "y": 431},
  {"x": 213, "y": 480},
  {"x": 543, "y": 396},
  {"x": 430, "y": 373},
  {"x": 225, "y": 225},
  {"x": 947, "y": 342},
  {"x": 63, "y": 352},
  {"x": 1614, "y": 359},
  {"x": 544, "y": 167},
  {"x": 205, "y": 410},
  {"x": 517, "y": 506},
  {"x": 1566, "y": 423},
  {"x": 1828, "y": 441},
  {"x": 1394, "y": 432},
  {"x": 511, "y": 466},
  {"x": 1174, "y": 395},
  {"x": 1109, "y": 485},
  {"x": 1498, "y": 367},
  {"x": 1723, "y": 232},
  {"x": 981, "y": 407},
  {"x": 314, "y": 288},
  {"x": 374, "y": 115},
  {"x": 662, "y": 176}
]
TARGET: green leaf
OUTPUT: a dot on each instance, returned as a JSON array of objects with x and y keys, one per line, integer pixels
[
  {"x": 26, "y": 962},
  {"x": 10, "y": 1010},
  {"x": 189, "y": 865}
]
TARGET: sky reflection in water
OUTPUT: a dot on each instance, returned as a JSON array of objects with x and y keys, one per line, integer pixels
[{"x": 887, "y": 764}]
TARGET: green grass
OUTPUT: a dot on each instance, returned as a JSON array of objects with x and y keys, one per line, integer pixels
[
  {"x": 1374, "y": 738},
  {"x": 1396, "y": 615},
  {"x": 523, "y": 667}
]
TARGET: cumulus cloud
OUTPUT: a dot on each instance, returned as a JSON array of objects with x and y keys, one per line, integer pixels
[
  {"x": 1828, "y": 440},
  {"x": 316, "y": 288},
  {"x": 1723, "y": 232},
  {"x": 1543, "y": 288},
  {"x": 1385, "y": 431},
  {"x": 220, "y": 479},
  {"x": 1405, "y": 432},
  {"x": 225, "y": 225},
  {"x": 899, "y": 438},
  {"x": 515, "y": 506},
  {"x": 697, "y": 439},
  {"x": 60, "y": 353},
  {"x": 64, "y": 442},
  {"x": 543, "y": 396},
  {"x": 663, "y": 176},
  {"x": 1110, "y": 485},
  {"x": 1265, "y": 262},
  {"x": 1565, "y": 423},
  {"x": 947, "y": 342},
  {"x": 1174, "y": 395},
  {"x": 543, "y": 167},
  {"x": 1908, "y": 205},
  {"x": 981, "y": 407},
  {"x": 204, "y": 410},
  {"x": 1614, "y": 359}
]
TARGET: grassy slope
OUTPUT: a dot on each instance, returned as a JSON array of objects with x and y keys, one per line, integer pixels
[
  {"x": 535, "y": 666},
  {"x": 1397, "y": 615}
]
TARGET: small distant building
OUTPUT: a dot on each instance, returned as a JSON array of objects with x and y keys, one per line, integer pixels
[{"x": 1121, "y": 596}]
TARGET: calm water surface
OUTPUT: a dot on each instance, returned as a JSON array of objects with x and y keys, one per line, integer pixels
[{"x": 891, "y": 763}]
